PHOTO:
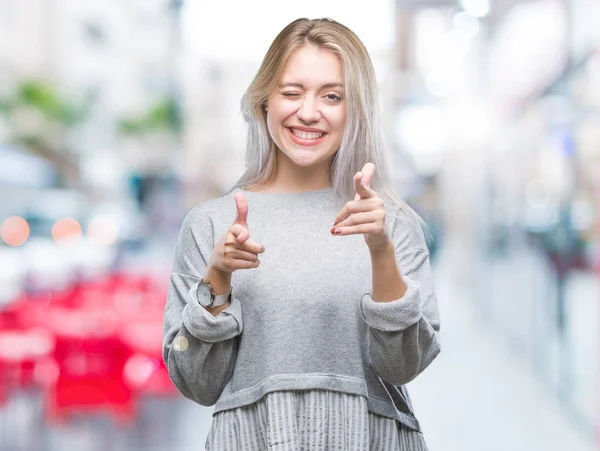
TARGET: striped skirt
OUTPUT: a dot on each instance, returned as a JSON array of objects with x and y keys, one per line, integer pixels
[{"x": 309, "y": 420}]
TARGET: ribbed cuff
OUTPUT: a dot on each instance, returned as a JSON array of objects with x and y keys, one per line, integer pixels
[
  {"x": 396, "y": 315},
  {"x": 208, "y": 328}
]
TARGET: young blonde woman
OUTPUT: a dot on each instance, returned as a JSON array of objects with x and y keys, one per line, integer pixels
[{"x": 301, "y": 301}]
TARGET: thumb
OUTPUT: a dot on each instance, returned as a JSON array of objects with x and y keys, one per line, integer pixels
[{"x": 242, "y": 210}]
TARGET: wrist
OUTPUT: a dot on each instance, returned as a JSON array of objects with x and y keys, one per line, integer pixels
[
  {"x": 385, "y": 248},
  {"x": 220, "y": 281}
]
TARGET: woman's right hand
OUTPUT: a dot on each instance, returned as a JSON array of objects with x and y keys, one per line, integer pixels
[{"x": 235, "y": 250}]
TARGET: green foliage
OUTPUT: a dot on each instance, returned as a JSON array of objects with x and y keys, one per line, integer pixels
[
  {"x": 45, "y": 99},
  {"x": 163, "y": 116}
]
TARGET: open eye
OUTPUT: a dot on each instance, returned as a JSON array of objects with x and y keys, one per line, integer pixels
[{"x": 333, "y": 97}]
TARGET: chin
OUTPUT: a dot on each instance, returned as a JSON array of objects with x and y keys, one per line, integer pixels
[
  {"x": 305, "y": 162},
  {"x": 304, "y": 157}
]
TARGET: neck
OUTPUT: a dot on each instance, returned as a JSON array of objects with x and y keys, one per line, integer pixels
[{"x": 291, "y": 178}]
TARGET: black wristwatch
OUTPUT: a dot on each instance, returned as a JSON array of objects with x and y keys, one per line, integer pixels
[{"x": 207, "y": 297}]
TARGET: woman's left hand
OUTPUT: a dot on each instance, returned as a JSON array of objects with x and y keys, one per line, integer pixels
[{"x": 365, "y": 214}]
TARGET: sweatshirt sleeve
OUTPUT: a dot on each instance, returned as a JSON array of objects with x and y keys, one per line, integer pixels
[
  {"x": 403, "y": 335},
  {"x": 199, "y": 349}
]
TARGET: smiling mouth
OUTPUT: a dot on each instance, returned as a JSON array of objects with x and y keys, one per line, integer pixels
[{"x": 306, "y": 135}]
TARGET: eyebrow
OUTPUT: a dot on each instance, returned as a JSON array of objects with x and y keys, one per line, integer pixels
[{"x": 301, "y": 86}]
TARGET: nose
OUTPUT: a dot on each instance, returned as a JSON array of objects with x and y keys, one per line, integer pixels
[{"x": 309, "y": 111}]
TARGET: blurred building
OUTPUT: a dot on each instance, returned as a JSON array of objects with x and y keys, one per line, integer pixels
[
  {"x": 117, "y": 60},
  {"x": 498, "y": 101},
  {"x": 213, "y": 135}
]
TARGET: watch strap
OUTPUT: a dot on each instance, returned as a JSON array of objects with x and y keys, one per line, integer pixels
[{"x": 219, "y": 299}]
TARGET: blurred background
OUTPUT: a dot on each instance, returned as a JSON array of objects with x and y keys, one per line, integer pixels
[{"x": 118, "y": 116}]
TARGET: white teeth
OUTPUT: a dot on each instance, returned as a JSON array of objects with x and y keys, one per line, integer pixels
[{"x": 306, "y": 135}]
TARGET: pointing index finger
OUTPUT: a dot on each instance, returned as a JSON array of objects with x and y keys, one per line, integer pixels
[
  {"x": 362, "y": 191},
  {"x": 362, "y": 182},
  {"x": 242, "y": 210},
  {"x": 368, "y": 171}
]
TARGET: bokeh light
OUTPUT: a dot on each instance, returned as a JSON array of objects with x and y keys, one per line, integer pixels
[
  {"x": 180, "y": 343},
  {"x": 102, "y": 231},
  {"x": 14, "y": 231},
  {"x": 66, "y": 230}
]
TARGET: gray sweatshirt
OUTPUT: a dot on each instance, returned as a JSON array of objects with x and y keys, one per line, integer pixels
[{"x": 305, "y": 318}]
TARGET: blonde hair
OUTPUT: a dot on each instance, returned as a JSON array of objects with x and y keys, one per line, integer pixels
[{"x": 362, "y": 140}]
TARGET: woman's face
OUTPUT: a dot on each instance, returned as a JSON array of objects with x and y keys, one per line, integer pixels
[{"x": 307, "y": 110}]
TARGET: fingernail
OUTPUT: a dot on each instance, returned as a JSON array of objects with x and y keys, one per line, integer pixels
[{"x": 337, "y": 231}]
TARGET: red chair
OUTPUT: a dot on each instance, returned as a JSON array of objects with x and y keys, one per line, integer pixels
[
  {"x": 105, "y": 349},
  {"x": 90, "y": 361}
]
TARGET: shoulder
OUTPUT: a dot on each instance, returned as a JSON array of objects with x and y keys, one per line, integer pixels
[{"x": 407, "y": 227}]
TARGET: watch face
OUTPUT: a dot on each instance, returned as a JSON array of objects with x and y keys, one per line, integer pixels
[{"x": 204, "y": 295}]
